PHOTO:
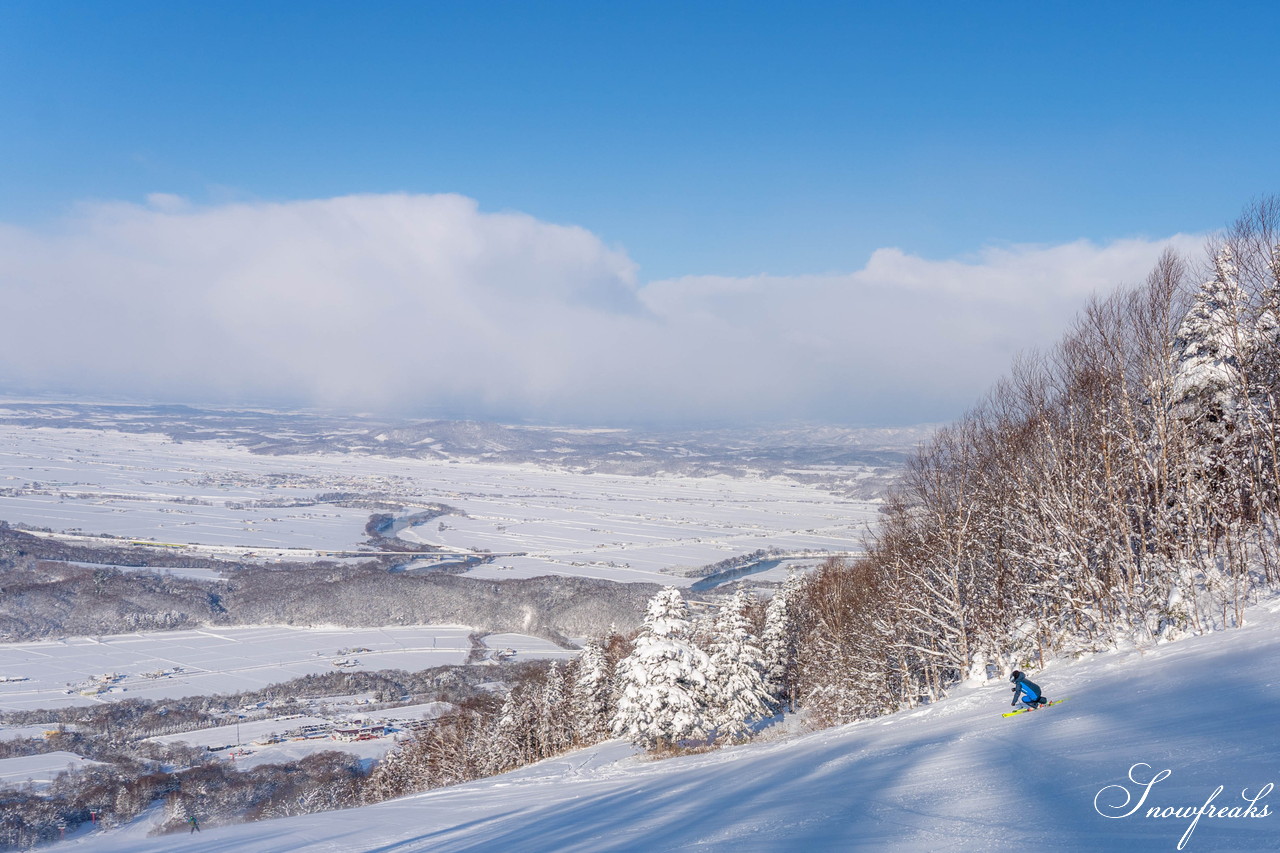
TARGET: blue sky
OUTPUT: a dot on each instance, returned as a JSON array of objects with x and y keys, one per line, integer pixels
[{"x": 699, "y": 139}]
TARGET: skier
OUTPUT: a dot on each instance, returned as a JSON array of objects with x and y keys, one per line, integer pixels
[
  {"x": 195, "y": 824},
  {"x": 1026, "y": 693}
]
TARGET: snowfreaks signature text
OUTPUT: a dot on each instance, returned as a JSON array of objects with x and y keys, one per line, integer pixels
[{"x": 1124, "y": 809}]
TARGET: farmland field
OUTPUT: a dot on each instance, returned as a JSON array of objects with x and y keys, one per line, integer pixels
[
  {"x": 172, "y": 664},
  {"x": 215, "y": 493}
]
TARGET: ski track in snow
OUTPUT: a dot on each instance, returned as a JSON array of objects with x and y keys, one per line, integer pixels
[{"x": 947, "y": 778}]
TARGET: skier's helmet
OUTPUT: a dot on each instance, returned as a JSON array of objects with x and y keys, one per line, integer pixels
[{"x": 1017, "y": 674}]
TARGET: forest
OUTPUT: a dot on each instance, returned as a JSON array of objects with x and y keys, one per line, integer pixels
[
  {"x": 1122, "y": 485},
  {"x": 44, "y": 592}
]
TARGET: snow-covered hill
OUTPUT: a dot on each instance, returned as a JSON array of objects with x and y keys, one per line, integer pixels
[{"x": 951, "y": 777}]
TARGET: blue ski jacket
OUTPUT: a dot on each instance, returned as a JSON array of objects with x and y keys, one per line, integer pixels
[{"x": 1025, "y": 691}]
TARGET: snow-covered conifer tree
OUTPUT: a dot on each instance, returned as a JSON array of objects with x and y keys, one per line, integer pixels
[
  {"x": 1265, "y": 375},
  {"x": 1264, "y": 366},
  {"x": 739, "y": 695},
  {"x": 663, "y": 683},
  {"x": 1210, "y": 397},
  {"x": 1267, "y": 327},
  {"x": 592, "y": 708},
  {"x": 514, "y": 732},
  {"x": 779, "y": 641},
  {"x": 555, "y": 729},
  {"x": 404, "y": 770},
  {"x": 392, "y": 777},
  {"x": 1210, "y": 343}
]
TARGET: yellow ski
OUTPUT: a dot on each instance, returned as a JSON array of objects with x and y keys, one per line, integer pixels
[{"x": 1025, "y": 710}]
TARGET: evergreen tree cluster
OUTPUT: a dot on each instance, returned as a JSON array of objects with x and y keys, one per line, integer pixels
[
  {"x": 547, "y": 711},
  {"x": 1124, "y": 485},
  {"x": 681, "y": 684},
  {"x": 680, "y": 680}
]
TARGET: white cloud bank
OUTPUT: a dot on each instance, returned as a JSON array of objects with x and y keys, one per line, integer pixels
[{"x": 424, "y": 304}]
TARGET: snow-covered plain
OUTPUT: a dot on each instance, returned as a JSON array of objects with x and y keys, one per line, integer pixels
[
  {"x": 953, "y": 777},
  {"x": 615, "y": 527},
  {"x": 296, "y": 750},
  {"x": 253, "y": 746},
  {"x": 225, "y": 660},
  {"x": 25, "y": 732},
  {"x": 38, "y": 770}
]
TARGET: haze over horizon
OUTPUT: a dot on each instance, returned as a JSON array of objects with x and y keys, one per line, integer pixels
[{"x": 675, "y": 215}]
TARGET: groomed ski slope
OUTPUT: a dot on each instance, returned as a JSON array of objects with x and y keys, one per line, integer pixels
[{"x": 952, "y": 777}]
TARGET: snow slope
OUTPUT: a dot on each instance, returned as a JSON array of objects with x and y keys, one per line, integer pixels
[{"x": 951, "y": 777}]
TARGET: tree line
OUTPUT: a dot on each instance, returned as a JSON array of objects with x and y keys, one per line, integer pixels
[
  {"x": 212, "y": 792},
  {"x": 44, "y": 593},
  {"x": 1123, "y": 484}
]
